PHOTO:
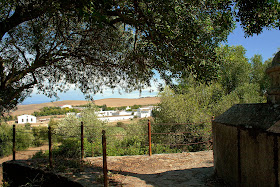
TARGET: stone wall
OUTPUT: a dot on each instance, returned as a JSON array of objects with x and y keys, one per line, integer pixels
[{"x": 16, "y": 173}]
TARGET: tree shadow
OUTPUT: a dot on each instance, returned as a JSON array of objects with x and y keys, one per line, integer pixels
[{"x": 188, "y": 177}]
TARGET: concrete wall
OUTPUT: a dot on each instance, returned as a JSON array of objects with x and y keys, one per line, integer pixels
[{"x": 246, "y": 156}]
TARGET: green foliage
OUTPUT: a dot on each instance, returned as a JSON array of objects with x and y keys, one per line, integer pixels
[
  {"x": 47, "y": 111},
  {"x": 193, "y": 102},
  {"x": 120, "y": 124},
  {"x": 5, "y": 140},
  {"x": 259, "y": 76},
  {"x": 257, "y": 15},
  {"x": 70, "y": 126},
  {"x": 27, "y": 126},
  {"x": 136, "y": 106},
  {"x": 235, "y": 68},
  {"x": 24, "y": 139},
  {"x": 40, "y": 135},
  {"x": 7, "y": 118},
  {"x": 69, "y": 148}
]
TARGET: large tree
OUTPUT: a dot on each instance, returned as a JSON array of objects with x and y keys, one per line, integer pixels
[{"x": 53, "y": 43}]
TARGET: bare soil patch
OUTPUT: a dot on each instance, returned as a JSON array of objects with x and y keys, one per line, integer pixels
[{"x": 179, "y": 169}]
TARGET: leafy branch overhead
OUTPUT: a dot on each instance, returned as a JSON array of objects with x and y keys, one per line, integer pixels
[{"x": 120, "y": 44}]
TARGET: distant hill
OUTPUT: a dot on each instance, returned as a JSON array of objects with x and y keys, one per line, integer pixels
[{"x": 111, "y": 102}]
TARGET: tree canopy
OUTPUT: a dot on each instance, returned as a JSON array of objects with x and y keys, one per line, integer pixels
[
  {"x": 240, "y": 81},
  {"x": 50, "y": 44}
]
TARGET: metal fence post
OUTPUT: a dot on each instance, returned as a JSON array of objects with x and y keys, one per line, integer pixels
[
  {"x": 14, "y": 142},
  {"x": 50, "y": 147},
  {"x": 105, "y": 171},
  {"x": 150, "y": 138},
  {"x": 82, "y": 140}
]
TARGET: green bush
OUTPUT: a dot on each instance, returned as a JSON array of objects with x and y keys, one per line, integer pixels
[
  {"x": 5, "y": 140},
  {"x": 120, "y": 124},
  {"x": 27, "y": 126},
  {"x": 47, "y": 111},
  {"x": 40, "y": 135},
  {"x": 24, "y": 139},
  {"x": 69, "y": 148}
]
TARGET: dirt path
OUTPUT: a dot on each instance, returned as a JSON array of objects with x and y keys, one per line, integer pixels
[
  {"x": 179, "y": 169},
  {"x": 21, "y": 155}
]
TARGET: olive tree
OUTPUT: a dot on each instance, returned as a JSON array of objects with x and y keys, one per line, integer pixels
[{"x": 51, "y": 44}]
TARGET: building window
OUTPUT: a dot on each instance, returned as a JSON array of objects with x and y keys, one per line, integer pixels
[{"x": 22, "y": 120}]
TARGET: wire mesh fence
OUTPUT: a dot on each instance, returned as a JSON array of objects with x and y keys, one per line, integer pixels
[
  {"x": 79, "y": 141},
  {"x": 66, "y": 146}
]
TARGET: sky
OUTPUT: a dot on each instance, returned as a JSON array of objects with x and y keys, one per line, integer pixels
[{"x": 265, "y": 44}]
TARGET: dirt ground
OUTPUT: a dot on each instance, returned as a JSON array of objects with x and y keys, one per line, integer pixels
[{"x": 178, "y": 169}]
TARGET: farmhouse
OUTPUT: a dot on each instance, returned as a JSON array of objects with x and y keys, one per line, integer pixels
[
  {"x": 144, "y": 112},
  {"x": 105, "y": 113},
  {"x": 124, "y": 115},
  {"x": 66, "y": 106},
  {"x": 26, "y": 119}
]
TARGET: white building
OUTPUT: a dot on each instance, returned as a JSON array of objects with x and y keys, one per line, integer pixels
[
  {"x": 70, "y": 114},
  {"x": 66, "y": 106},
  {"x": 115, "y": 118},
  {"x": 26, "y": 119},
  {"x": 105, "y": 113},
  {"x": 144, "y": 112},
  {"x": 122, "y": 113}
]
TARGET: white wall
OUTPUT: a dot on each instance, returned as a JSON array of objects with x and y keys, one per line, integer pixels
[
  {"x": 26, "y": 119},
  {"x": 115, "y": 118},
  {"x": 66, "y": 106},
  {"x": 105, "y": 113}
]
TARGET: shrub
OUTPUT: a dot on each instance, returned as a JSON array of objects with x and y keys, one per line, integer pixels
[
  {"x": 24, "y": 139},
  {"x": 27, "y": 126},
  {"x": 40, "y": 135},
  {"x": 120, "y": 124},
  {"x": 69, "y": 148}
]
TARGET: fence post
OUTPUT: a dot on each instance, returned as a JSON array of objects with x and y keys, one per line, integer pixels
[
  {"x": 50, "y": 147},
  {"x": 105, "y": 171},
  {"x": 150, "y": 138},
  {"x": 14, "y": 142},
  {"x": 82, "y": 140}
]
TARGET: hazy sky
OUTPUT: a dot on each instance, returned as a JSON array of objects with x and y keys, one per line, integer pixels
[{"x": 265, "y": 44}]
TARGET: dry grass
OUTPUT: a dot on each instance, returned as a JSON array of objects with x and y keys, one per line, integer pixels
[{"x": 111, "y": 102}]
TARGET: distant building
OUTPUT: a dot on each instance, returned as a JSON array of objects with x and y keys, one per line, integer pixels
[
  {"x": 144, "y": 112},
  {"x": 105, "y": 113},
  {"x": 77, "y": 115},
  {"x": 66, "y": 106},
  {"x": 70, "y": 114},
  {"x": 26, "y": 119},
  {"x": 122, "y": 113}
]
